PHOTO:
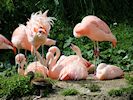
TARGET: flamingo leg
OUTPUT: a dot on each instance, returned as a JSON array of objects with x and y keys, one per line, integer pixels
[
  {"x": 18, "y": 51},
  {"x": 25, "y": 52},
  {"x": 42, "y": 51},
  {"x": 96, "y": 53}
]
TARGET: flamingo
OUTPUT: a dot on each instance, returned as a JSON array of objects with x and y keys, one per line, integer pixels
[
  {"x": 35, "y": 67},
  {"x": 6, "y": 44},
  {"x": 38, "y": 28},
  {"x": 34, "y": 34},
  {"x": 20, "y": 39},
  {"x": 56, "y": 64},
  {"x": 95, "y": 29},
  {"x": 105, "y": 72},
  {"x": 75, "y": 70}
]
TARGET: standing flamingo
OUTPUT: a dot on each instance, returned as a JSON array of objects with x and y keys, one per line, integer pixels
[
  {"x": 105, "y": 72},
  {"x": 55, "y": 65},
  {"x": 38, "y": 28},
  {"x": 6, "y": 44},
  {"x": 35, "y": 67},
  {"x": 20, "y": 39},
  {"x": 95, "y": 29},
  {"x": 35, "y": 33}
]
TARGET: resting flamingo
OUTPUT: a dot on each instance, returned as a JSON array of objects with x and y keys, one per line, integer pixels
[
  {"x": 6, "y": 44},
  {"x": 95, "y": 29},
  {"x": 105, "y": 72},
  {"x": 55, "y": 65},
  {"x": 35, "y": 67}
]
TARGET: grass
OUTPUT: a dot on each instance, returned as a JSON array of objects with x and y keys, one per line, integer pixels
[
  {"x": 128, "y": 90},
  {"x": 92, "y": 87},
  {"x": 70, "y": 91}
]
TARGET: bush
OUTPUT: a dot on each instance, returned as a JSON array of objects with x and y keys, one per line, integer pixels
[{"x": 15, "y": 86}]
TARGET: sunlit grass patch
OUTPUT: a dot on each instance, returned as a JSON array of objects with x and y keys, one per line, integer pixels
[
  {"x": 92, "y": 87},
  {"x": 70, "y": 91}
]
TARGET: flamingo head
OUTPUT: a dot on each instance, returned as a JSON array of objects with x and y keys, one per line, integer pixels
[
  {"x": 101, "y": 66},
  {"x": 76, "y": 49},
  {"x": 39, "y": 25},
  {"x": 79, "y": 30},
  {"x": 20, "y": 60},
  {"x": 114, "y": 42}
]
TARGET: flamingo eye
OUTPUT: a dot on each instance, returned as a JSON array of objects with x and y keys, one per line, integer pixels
[
  {"x": 41, "y": 27},
  {"x": 40, "y": 31}
]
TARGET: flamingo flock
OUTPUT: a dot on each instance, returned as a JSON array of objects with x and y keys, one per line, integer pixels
[{"x": 56, "y": 66}]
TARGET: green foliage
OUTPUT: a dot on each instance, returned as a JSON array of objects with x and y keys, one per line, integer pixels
[
  {"x": 121, "y": 91},
  {"x": 92, "y": 87},
  {"x": 129, "y": 78},
  {"x": 115, "y": 92},
  {"x": 51, "y": 81},
  {"x": 15, "y": 86},
  {"x": 70, "y": 91},
  {"x": 128, "y": 90}
]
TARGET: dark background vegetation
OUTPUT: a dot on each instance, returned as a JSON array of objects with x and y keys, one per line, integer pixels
[{"x": 68, "y": 13}]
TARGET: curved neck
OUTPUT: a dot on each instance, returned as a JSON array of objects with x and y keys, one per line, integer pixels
[
  {"x": 53, "y": 59},
  {"x": 21, "y": 70},
  {"x": 49, "y": 60},
  {"x": 78, "y": 52},
  {"x": 57, "y": 55},
  {"x": 42, "y": 61}
]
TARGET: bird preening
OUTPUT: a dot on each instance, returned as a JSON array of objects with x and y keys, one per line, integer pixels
[
  {"x": 96, "y": 30},
  {"x": 55, "y": 65}
]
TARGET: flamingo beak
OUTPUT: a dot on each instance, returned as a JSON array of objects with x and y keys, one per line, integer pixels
[
  {"x": 71, "y": 45},
  {"x": 14, "y": 50}
]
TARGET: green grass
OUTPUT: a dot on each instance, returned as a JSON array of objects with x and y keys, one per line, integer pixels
[
  {"x": 92, "y": 87},
  {"x": 128, "y": 90},
  {"x": 70, "y": 91}
]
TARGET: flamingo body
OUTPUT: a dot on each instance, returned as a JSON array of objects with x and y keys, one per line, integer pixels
[
  {"x": 74, "y": 71},
  {"x": 95, "y": 29},
  {"x": 35, "y": 33},
  {"x": 104, "y": 71},
  {"x": 35, "y": 67},
  {"x": 57, "y": 65}
]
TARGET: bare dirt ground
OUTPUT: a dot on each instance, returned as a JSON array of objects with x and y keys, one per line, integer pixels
[{"x": 84, "y": 93}]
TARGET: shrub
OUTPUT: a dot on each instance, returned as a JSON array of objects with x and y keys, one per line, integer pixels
[{"x": 15, "y": 86}]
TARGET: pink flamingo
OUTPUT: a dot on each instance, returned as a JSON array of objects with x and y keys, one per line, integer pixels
[
  {"x": 35, "y": 67},
  {"x": 75, "y": 70},
  {"x": 55, "y": 66},
  {"x": 95, "y": 29},
  {"x": 34, "y": 34},
  {"x": 20, "y": 39},
  {"x": 105, "y": 72},
  {"x": 6, "y": 44}
]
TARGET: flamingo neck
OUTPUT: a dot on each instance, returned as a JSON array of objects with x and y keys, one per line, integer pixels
[
  {"x": 21, "y": 70},
  {"x": 42, "y": 60},
  {"x": 56, "y": 57},
  {"x": 51, "y": 59},
  {"x": 78, "y": 52}
]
